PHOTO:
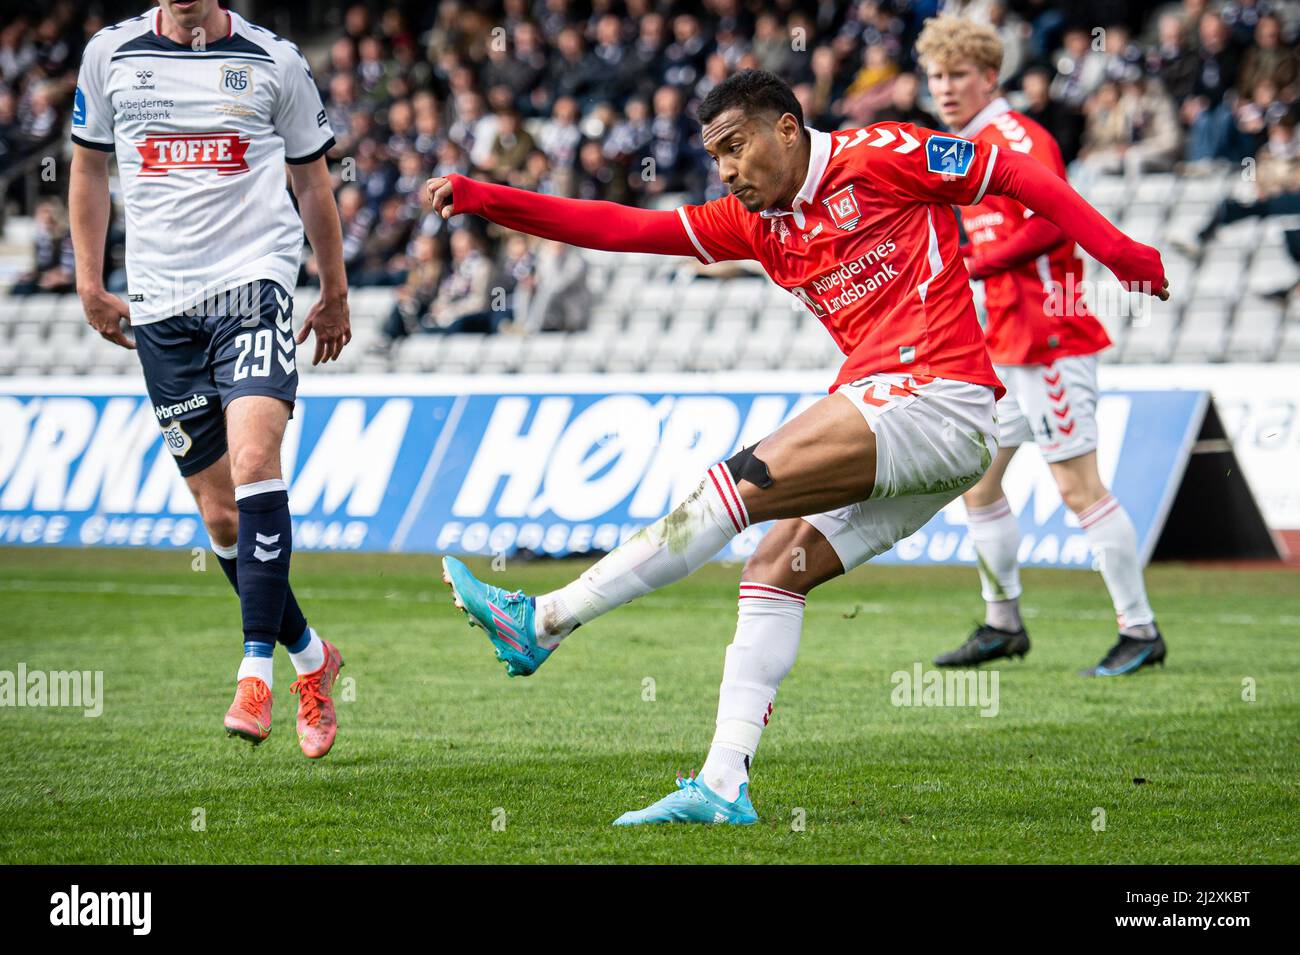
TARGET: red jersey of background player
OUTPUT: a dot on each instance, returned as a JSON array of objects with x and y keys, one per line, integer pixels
[
  {"x": 871, "y": 248},
  {"x": 1035, "y": 311}
]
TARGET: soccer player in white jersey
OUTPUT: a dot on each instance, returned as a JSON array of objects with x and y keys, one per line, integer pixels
[
  {"x": 1044, "y": 344},
  {"x": 202, "y": 110}
]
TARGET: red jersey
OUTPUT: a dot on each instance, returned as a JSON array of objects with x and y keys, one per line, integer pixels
[
  {"x": 870, "y": 247},
  {"x": 1035, "y": 311}
]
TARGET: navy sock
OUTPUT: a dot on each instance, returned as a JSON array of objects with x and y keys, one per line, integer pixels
[
  {"x": 265, "y": 543},
  {"x": 293, "y": 625}
]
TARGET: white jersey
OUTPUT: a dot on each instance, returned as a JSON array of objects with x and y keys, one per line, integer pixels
[{"x": 201, "y": 137}]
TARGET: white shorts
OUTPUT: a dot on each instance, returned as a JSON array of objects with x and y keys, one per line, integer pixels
[
  {"x": 1053, "y": 405},
  {"x": 934, "y": 441}
]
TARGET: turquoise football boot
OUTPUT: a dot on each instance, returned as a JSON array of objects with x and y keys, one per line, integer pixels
[
  {"x": 694, "y": 802},
  {"x": 506, "y": 617}
]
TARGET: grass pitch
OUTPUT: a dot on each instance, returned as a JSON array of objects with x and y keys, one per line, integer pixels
[{"x": 436, "y": 744}]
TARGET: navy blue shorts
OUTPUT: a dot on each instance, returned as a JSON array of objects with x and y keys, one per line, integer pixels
[{"x": 239, "y": 342}]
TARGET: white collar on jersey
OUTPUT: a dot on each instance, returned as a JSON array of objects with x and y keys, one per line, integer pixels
[
  {"x": 230, "y": 20},
  {"x": 984, "y": 117},
  {"x": 819, "y": 154}
]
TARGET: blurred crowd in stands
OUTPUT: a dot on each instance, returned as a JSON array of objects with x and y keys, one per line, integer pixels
[{"x": 595, "y": 99}]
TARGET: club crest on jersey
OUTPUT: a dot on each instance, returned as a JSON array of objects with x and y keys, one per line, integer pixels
[
  {"x": 224, "y": 152},
  {"x": 949, "y": 156},
  {"x": 813, "y": 305},
  {"x": 843, "y": 207},
  {"x": 236, "y": 80},
  {"x": 177, "y": 441},
  {"x": 781, "y": 229}
]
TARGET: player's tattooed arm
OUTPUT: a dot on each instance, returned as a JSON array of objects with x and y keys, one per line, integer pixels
[
  {"x": 89, "y": 209},
  {"x": 1036, "y": 187},
  {"x": 329, "y": 317}
]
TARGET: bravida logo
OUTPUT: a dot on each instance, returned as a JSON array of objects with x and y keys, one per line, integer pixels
[
  {"x": 224, "y": 152},
  {"x": 103, "y": 908}
]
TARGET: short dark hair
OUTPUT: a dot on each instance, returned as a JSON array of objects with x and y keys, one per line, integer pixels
[{"x": 752, "y": 91}]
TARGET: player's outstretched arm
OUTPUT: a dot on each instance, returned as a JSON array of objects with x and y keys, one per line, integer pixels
[
  {"x": 329, "y": 317},
  {"x": 1036, "y": 187},
  {"x": 1037, "y": 236},
  {"x": 582, "y": 222},
  {"x": 88, "y": 210}
]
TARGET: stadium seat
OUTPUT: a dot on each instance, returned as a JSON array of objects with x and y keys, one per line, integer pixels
[
  {"x": 779, "y": 323},
  {"x": 1254, "y": 333},
  {"x": 1243, "y": 236},
  {"x": 460, "y": 354},
  {"x": 1113, "y": 191},
  {"x": 1156, "y": 188},
  {"x": 688, "y": 321},
  {"x": 501, "y": 354},
  {"x": 812, "y": 347},
  {"x": 716, "y": 352},
  {"x": 737, "y": 323},
  {"x": 420, "y": 353},
  {"x": 1151, "y": 338},
  {"x": 701, "y": 294},
  {"x": 673, "y": 352},
  {"x": 542, "y": 353},
  {"x": 1271, "y": 268},
  {"x": 645, "y": 323},
  {"x": 1117, "y": 328},
  {"x": 629, "y": 353},
  {"x": 1225, "y": 278},
  {"x": 1202, "y": 333},
  {"x": 585, "y": 352},
  {"x": 606, "y": 316},
  {"x": 1288, "y": 348},
  {"x": 745, "y": 293}
]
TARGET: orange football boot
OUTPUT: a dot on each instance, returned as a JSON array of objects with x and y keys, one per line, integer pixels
[
  {"x": 249, "y": 716},
  {"x": 316, "y": 722}
]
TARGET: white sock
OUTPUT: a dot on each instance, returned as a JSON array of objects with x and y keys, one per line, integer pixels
[
  {"x": 768, "y": 624},
  {"x": 1114, "y": 547},
  {"x": 312, "y": 658},
  {"x": 260, "y": 667},
  {"x": 655, "y": 556},
  {"x": 996, "y": 534}
]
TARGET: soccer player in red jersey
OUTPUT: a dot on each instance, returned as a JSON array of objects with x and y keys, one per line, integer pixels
[
  {"x": 1044, "y": 344},
  {"x": 858, "y": 225}
]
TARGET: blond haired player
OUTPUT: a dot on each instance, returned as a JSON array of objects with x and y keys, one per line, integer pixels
[{"x": 1044, "y": 344}]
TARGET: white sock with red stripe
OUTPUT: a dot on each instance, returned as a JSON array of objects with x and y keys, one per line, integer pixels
[
  {"x": 768, "y": 625},
  {"x": 1114, "y": 547},
  {"x": 996, "y": 534},
  {"x": 655, "y": 556}
]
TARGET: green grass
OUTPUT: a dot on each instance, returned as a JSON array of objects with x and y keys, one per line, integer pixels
[{"x": 437, "y": 739}]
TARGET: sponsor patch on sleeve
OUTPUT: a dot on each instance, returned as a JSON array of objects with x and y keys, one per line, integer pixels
[
  {"x": 948, "y": 155},
  {"x": 79, "y": 109}
]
